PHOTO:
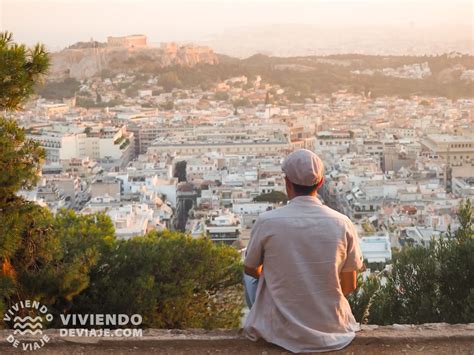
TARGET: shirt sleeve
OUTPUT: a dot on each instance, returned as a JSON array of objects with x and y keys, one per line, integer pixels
[
  {"x": 254, "y": 252},
  {"x": 354, "y": 258}
]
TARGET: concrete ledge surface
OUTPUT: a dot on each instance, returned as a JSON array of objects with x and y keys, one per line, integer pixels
[{"x": 436, "y": 338}]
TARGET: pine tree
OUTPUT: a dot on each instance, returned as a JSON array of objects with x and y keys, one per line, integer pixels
[
  {"x": 42, "y": 257},
  {"x": 20, "y": 69},
  {"x": 20, "y": 159}
]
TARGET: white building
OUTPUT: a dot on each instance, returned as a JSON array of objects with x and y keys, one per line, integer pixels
[
  {"x": 132, "y": 220},
  {"x": 333, "y": 141},
  {"x": 376, "y": 248},
  {"x": 460, "y": 149},
  {"x": 254, "y": 208},
  {"x": 223, "y": 227},
  {"x": 101, "y": 144},
  {"x": 463, "y": 187}
]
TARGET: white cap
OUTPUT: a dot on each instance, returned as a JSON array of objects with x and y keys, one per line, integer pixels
[{"x": 303, "y": 167}]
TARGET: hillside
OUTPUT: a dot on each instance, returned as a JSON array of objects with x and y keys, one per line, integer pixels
[
  {"x": 84, "y": 62},
  {"x": 300, "y": 76}
]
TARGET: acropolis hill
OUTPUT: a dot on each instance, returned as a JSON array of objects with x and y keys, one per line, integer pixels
[{"x": 86, "y": 59}]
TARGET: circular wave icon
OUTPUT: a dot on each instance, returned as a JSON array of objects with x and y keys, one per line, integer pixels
[
  {"x": 28, "y": 325},
  {"x": 28, "y": 319}
]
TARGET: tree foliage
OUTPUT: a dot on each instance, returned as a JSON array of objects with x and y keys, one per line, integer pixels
[
  {"x": 272, "y": 197},
  {"x": 167, "y": 106},
  {"x": 180, "y": 170},
  {"x": 244, "y": 102},
  {"x": 173, "y": 280},
  {"x": 42, "y": 257},
  {"x": 20, "y": 160},
  {"x": 169, "y": 81},
  {"x": 53, "y": 255},
  {"x": 22, "y": 224},
  {"x": 20, "y": 69},
  {"x": 433, "y": 283},
  {"x": 221, "y": 96},
  {"x": 323, "y": 78},
  {"x": 57, "y": 90}
]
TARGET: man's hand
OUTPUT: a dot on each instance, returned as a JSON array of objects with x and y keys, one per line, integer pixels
[
  {"x": 253, "y": 272},
  {"x": 348, "y": 282}
]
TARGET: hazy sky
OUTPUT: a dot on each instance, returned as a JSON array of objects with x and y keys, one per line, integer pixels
[{"x": 58, "y": 23}]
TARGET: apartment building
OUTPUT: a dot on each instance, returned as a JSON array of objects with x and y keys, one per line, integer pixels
[
  {"x": 460, "y": 149},
  {"x": 108, "y": 145},
  {"x": 228, "y": 140}
]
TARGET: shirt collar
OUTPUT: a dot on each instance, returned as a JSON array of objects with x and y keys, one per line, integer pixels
[{"x": 306, "y": 199}]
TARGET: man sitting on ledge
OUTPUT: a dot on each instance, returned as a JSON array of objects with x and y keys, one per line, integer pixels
[{"x": 300, "y": 264}]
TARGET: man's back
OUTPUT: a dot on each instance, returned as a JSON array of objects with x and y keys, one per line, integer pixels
[{"x": 299, "y": 305}]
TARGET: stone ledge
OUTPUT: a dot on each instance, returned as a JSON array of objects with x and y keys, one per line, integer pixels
[{"x": 436, "y": 338}]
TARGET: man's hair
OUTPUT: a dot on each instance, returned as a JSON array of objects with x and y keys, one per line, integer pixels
[{"x": 304, "y": 190}]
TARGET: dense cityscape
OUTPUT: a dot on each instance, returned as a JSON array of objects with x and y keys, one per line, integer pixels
[{"x": 397, "y": 166}]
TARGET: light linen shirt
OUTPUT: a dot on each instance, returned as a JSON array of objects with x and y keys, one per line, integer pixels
[{"x": 299, "y": 304}]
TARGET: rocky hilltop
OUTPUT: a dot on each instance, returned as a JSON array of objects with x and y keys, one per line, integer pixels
[{"x": 81, "y": 61}]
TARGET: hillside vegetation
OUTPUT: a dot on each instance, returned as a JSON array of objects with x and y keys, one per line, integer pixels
[{"x": 306, "y": 76}]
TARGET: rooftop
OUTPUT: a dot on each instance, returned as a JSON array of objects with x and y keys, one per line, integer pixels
[{"x": 448, "y": 138}]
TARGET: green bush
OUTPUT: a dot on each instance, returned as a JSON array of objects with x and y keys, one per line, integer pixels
[
  {"x": 49, "y": 257},
  {"x": 57, "y": 90},
  {"x": 244, "y": 102},
  {"x": 433, "y": 283},
  {"x": 272, "y": 197},
  {"x": 89, "y": 103},
  {"x": 169, "y": 81},
  {"x": 221, "y": 96},
  {"x": 172, "y": 280}
]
